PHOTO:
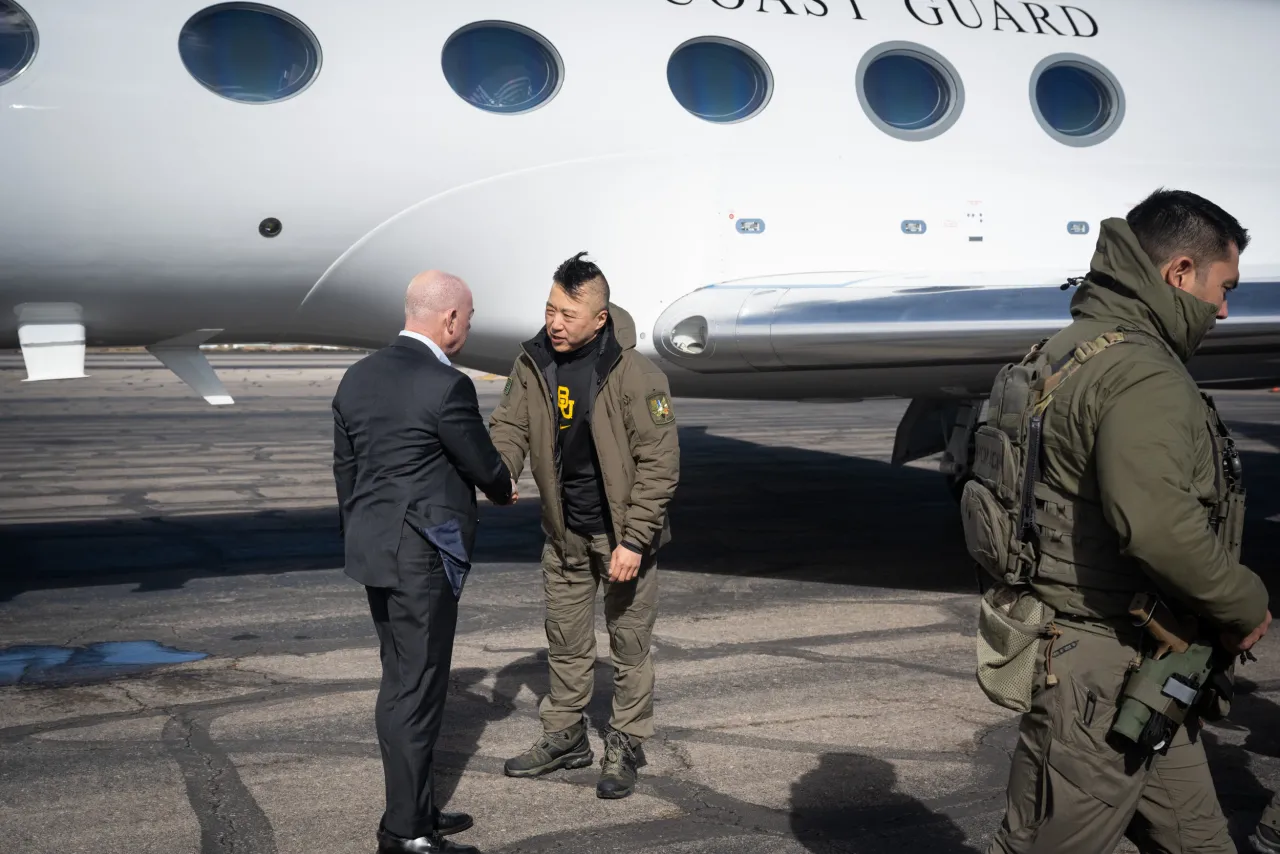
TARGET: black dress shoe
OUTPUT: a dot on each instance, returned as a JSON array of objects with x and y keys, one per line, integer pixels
[
  {"x": 389, "y": 843},
  {"x": 452, "y": 822}
]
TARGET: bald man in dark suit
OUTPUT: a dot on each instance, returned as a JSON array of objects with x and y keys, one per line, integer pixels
[{"x": 410, "y": 449}]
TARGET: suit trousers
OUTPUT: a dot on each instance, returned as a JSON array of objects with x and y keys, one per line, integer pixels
[
  {"x": 415, "y": 621},
  {"x": 1076, "y": 788},
  {"x": 570, "y": 577}
]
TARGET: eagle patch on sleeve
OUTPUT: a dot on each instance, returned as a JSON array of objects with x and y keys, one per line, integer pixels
[{"x": 660, "y": 408}]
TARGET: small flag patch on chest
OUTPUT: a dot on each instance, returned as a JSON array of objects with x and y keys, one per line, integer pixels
[{"x": 660, "y": 408}]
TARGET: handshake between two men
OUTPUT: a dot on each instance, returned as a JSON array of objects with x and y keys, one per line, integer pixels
[{"x": 603, "y": 450}]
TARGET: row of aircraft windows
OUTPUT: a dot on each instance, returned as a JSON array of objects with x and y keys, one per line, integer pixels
[{"x": 253, "y": 53}]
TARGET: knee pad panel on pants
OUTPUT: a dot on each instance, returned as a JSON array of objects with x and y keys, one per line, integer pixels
[
  {"x": 630, "y": 645},
  {"x": 561, "y": 643}
]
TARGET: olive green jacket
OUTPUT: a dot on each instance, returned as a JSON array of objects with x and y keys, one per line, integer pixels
[
  {"x": 632, "y": 426},
  {"x": 1129, "y": 435}
]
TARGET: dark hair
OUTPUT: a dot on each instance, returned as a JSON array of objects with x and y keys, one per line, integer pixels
[
  {"x": 1169, "y": 222},
  {"x": 573, "y": 274}
]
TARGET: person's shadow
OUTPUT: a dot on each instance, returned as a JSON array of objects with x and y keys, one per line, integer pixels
[
  {"x": 848, "y": 804},
  {"x": 471, "y": 709},
  {"x": 1242, "y": 796}
]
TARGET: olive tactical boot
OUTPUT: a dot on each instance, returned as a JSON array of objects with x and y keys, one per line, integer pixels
[
  {"x": 618, "y": 767},
  {"x": 567, "y": 748}
]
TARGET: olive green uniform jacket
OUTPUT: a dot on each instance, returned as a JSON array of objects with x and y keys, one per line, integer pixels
[
  {"x": 1128, "y": 436},
  {"x": 632, "y": 426}
]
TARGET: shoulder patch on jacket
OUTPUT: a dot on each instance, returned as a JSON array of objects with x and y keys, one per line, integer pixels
[
  {"x": 660, "y": 408},
  {"x": 506, "y": 390}
]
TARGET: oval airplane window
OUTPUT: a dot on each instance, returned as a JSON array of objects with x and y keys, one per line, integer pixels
[
  {"x": 719, "y": 80},
  {"x": 249, "y": 53},
  {"x": 1075, "y": 100},
  {"x": 18, "y": 40},
  {"x": 501, "y": 67},
  {"x": 909, "y": 91}
]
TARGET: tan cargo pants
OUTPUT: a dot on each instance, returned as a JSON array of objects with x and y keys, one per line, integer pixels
[
  {"x": 1072, "y": 787},
  {"x": 570, "y": 578}
]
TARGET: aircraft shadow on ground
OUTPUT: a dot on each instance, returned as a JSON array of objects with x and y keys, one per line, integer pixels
[{"x": 741, "y": 509}]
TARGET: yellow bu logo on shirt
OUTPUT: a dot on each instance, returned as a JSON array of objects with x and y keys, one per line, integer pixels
[{"x": 566, "y": 405}]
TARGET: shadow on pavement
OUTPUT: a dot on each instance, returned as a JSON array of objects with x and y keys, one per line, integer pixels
[
  {"x": 741, "y": 508},
  {"x": 828, "y": 815},
  {"x": 1242, "y": 796}
]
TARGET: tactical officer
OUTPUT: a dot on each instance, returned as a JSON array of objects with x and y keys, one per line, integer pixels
[
  {"x": 595, "y": 418},
  {"x": 1129, "y": 494}
]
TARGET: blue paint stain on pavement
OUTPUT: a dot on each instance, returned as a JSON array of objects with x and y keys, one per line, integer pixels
[{"x": 31, "y": 664}]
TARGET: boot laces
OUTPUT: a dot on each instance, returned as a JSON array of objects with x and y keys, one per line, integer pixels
[{"x": 616, "y": 746}]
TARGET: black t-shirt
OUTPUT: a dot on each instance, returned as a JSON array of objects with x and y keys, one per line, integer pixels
[{"x": 582, "y": 488}]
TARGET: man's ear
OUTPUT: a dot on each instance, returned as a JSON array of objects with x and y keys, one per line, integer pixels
[{"x": 1180, "y": 272}]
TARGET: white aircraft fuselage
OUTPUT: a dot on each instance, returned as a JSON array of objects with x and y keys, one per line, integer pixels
[{"x": 804, "y": 251}]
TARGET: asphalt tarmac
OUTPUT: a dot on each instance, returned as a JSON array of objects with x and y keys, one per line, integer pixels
[{"x": 185, "y": 668}]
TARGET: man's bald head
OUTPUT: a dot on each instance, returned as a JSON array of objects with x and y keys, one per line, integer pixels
[
  {"x": 439, "y": 305},
  {"x": 433, "y": 292}
]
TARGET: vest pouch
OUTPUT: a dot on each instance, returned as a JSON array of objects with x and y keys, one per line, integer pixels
[
  {"x": 989, "y": 502},
  {"x": 1010, "y": 398},
  {"x": 995, "y": 465},
  {"x": 1012, "y": 628},
  {"x": 987, "y": 529}
]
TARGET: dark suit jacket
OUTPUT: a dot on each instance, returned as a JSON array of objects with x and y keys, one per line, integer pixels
[{"x": 409, "y": 445}]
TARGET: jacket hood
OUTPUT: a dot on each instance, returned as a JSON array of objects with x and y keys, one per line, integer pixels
[
  {"x": 1123, "y": 287},
  {"x": 624, "y": 327}
]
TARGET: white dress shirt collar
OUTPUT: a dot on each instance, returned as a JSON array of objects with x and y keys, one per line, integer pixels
[{"x": 435, "y": 348}]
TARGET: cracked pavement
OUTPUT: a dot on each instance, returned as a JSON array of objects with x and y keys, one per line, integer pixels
[{"x": 814, "y": 642}]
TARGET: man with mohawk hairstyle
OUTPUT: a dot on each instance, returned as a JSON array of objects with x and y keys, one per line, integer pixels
[{"x": 594, "y": 418}]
